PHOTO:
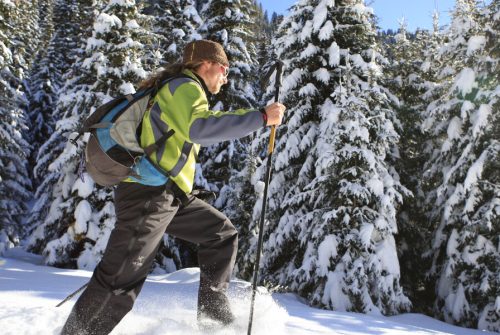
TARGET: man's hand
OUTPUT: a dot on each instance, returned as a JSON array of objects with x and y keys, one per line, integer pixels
[{"x": 275, "y": 113}]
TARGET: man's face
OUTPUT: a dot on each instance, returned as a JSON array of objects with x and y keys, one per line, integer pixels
[{"x": 216, "y": 76}]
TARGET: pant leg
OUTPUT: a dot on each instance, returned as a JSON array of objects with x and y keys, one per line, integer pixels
[
  {"x": 143, "y": 213},
  {"x": 198, "y": 222}
]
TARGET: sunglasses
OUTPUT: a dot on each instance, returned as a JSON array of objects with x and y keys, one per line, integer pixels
[{"x": 224, "y": 69}]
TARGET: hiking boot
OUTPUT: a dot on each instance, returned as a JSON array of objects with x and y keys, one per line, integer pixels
[{"x": 214, "y": 307}]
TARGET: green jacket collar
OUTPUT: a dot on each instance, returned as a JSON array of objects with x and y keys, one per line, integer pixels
[{"x": 199, "y": 80}]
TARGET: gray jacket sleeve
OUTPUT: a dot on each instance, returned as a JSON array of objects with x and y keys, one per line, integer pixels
[{"x": 223, "y": 126}]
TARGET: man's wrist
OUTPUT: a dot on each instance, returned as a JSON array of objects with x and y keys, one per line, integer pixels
[{"x": 264, "y": 116}]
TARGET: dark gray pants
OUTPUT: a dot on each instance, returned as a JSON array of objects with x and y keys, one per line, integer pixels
[{"x": 144, "y": 214}]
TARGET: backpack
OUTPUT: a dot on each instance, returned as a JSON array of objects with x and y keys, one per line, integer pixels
[{"x": 113, "y": 152}]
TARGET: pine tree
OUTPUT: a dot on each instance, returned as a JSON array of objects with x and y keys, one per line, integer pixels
[
  {"x": 44, "y": 82},
  {"x": 409, "y": 77},
  {"x": 333, "y": 196},
  {"x": 173, "y": 23},
  {"x": 462, "y": 173},
  {"x": 25, "y": 35},
  {"x": 48, "y": 103},
  {"x": 229, "y": 23},
  {"x": 251, "y": 187},
  {"x": 14, "y": 149},
  {"x": 81, "y": 217}
]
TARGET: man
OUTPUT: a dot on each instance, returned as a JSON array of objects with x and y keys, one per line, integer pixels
[{"x": 144, "y": 213}]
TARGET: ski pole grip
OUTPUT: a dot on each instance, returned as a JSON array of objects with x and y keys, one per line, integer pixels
[{"x": 271, "y": 140}]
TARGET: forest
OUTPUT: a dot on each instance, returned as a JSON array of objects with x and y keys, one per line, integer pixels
[{"x": 385, "y": 189}]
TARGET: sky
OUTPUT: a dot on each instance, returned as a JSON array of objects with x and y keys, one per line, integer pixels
[
  {"x": 417, "y": 13},
  {"x": 29, "y": 292}
]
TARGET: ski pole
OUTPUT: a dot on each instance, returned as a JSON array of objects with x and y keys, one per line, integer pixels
[
  {"x": 72, "y": 295},
  {"x": 278, "y": 67}
]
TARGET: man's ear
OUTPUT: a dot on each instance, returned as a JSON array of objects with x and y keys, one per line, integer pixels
[{"x": 203, "y": 68}]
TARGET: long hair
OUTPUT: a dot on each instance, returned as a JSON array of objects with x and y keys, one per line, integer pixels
[{"x": 169, "y": 71}]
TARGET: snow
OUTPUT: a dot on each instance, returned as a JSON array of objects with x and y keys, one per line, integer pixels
[
  {"x": 104, "y": 23},
  {"x": 386, "y": 252},
  {"x": 451, "y": 247},
  {"x": 359, "y": 62},
  {"x": 376, "y": 186},
  {"x": 326, "y": 32},
  {"x": 132, "y": 24},
  {"x": 309, "y": 51},
  {"x": 466, "y": 81},
  {"x": 259, "y": 188},
  {"x": 326, "y": 251},
  {"x": 92, "y": 44},
  {"x": 83, "y": 214},
  {"x": 123, "y": 3},
  {"x": 320, "y": 13},
  {"x": 306, "y": 31},
  {"x": 426, "y": 66},
  {"x": 291, "y": 81},
  {"x": 334, "y": 54},
  {"x": 467, "y": 106},
  {"x": 308, "y": 90},
  {"x": 84, "y": 186},
  {"x": 454, "y": 128},
  {"x": 5, "y": 243},
  {"x": 365, "y": 234},
  {"x": 475, "y": 171},
  {"x": 127, "y": 88},
  {"x": 167, "y": 305},
  {"x": 457, "y": 303},
  {"x": 334, "y": 290},
  {"x": 475, "y": 43},
  {"x": 322, "y": 75},
  {"x": 480, "y": 119},
  {"x": 129, "y": 43},
  {"x": 8, "y": 3}
]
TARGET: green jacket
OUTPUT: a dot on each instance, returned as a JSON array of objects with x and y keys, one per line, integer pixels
[{"x": 182, "y": 106}]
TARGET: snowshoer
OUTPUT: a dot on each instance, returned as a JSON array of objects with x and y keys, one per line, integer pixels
[{"x": 144, "y": 213}]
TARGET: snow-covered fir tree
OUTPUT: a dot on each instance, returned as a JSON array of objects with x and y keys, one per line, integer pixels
[
  {"x": 227, "y": 23},
  {"x": 14, "y": 149},
  {"x": 410, "y": 77},
  {"x": 259, "y": 146},
  {"x": 45, "y": 80},
  {"x": 77, "y": 226},
  {"x": 227, "y": 166},
  {"x": 463, "y": 172},
  {"x": 238, "y": 197},
  {"x": 333, "y": 196},
  {"x": 173, "y": 23},
  {"x": 65, "y": 46},
  {"x": 25, "y": 34}
]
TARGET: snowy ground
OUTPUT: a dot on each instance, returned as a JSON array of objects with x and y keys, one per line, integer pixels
[{"x": 167, "y": 305}]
